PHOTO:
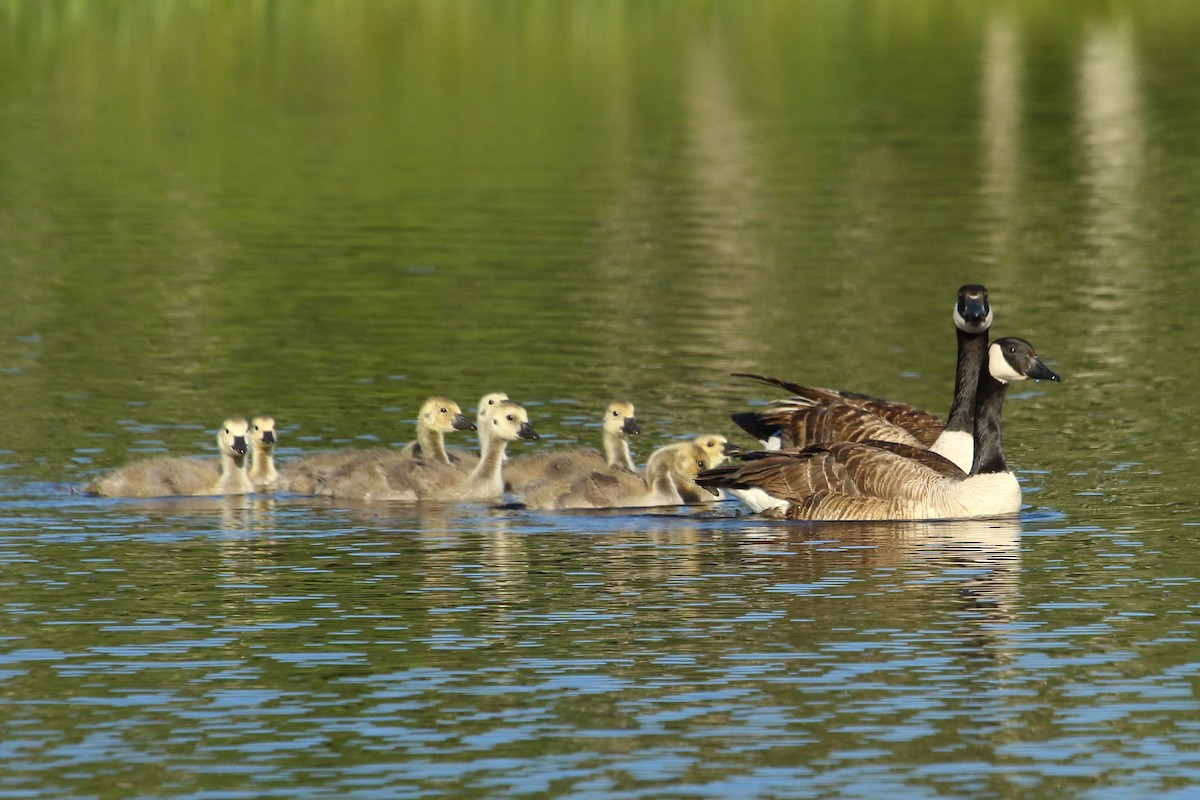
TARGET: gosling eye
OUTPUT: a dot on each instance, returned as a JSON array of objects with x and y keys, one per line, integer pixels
[{"x": 443, "y": 411}]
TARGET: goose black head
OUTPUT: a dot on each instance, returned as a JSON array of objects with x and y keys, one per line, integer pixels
[
  {"x": 972, "y": 314},
  {"x": 1012, "y": 359}
]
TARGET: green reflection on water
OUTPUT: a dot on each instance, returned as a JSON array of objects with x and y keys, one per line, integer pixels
[{"x": 330, "y": 210}]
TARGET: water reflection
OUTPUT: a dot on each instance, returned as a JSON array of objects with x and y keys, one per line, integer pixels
[
  {"x": 1111, "y": 132},
  {"x": 501, "y": 644},
  {"x": 982, "y": 556},
  {"x": 1000, "y": 122},
  {"x": 638, "y": 198}
]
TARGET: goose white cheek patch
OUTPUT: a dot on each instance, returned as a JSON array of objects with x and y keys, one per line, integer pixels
[{"x": 999, "y": 367}]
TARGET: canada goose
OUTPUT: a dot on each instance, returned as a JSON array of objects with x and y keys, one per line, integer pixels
[
  {"x": 815, "y": 415},
  {"x": 523, "y": 472},
  {"x": 412, "y": 480},
  {"x": 888, "y": 481},
  {"x": 173, "y": 476},
  {"x": 666, "y": 469},
  {"x": 437, "y": 417},
  {"x": 263, "y": 474}
]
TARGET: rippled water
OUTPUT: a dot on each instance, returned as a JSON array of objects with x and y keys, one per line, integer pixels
[
  {"x": 252, "y": 647},
  {"x": 330, "y": 211}
]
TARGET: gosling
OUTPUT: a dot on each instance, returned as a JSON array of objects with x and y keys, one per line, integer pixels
[{"x": 184, "y": 477}]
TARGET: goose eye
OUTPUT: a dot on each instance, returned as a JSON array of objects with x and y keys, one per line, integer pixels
[
  {"x": 443, "y": 411},
  {"x": 509, "y": 417},
  {"x": 1012, "y": 348}
]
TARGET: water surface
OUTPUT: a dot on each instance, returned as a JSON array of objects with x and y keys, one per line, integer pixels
[{"x": 330, "y": 211}]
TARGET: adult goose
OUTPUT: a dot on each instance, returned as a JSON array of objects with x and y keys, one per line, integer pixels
[
  {"x": 666, "y": 469},
  {"x": 619, "y": 422},
  {"x": 175, "y": 477},
  {"x": 815, "y": 415},
  {"x": 262, "y": 473},
  {"x": 889, "y": 481},
  {"x": 413, "y": 480}
]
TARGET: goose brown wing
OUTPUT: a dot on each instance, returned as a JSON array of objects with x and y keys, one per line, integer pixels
[
  {"x": 879, "y": 472},
  {"x": 921, "y": 425},
  {"x": 936, "y": 462},
  {"x": 841, "y": 422},
  {"x": 832, "y": 506},
  {"x": 800, "y": 423},
  {"x": 787, "y": 475}
]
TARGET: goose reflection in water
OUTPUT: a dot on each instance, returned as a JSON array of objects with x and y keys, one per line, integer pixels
[{"x": 979, "y": 561}]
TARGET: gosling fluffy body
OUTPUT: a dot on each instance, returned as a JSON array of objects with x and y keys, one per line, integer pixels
[{"x": 179, "y": 477}]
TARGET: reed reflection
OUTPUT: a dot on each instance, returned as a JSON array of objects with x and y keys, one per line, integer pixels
[
  {"x": 1113, "y": 138},
  {"x": 1000, "y": 123}
]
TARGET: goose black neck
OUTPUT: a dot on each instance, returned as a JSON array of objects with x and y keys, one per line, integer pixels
[
  {"x": 972, "y": 352},
  {"x": 989, "y": 405}
]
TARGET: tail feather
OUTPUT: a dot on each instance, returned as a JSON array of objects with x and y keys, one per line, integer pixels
[
  {"x": 808, "y": 392},
  {"x": 753, "y": 423},
  {"x": 721, "y": 478}
]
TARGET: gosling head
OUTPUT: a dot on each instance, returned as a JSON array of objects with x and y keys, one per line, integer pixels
[
  {"x": 972, "y": 314},
  {"x": 262, "y": 433},
  {"x": 509, "y": 421},
  {"x": 690, "y": 460},
  {"x": 231, "y": 439},
  {"x": 678, "y": 460},
  {"x": 486, "y": 404},
  {"x": 716, "y": 448},
  {"x": 619, "y": 419},
  {"x": 443, "y": 415}
]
